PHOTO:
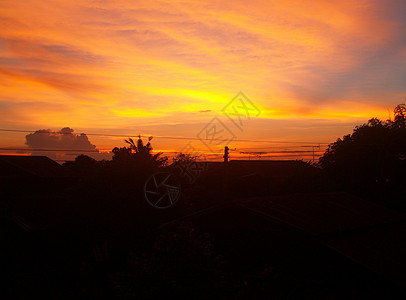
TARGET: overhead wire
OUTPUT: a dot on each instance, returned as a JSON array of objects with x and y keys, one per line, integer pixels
[
  {"x": 286, "y": 151},
  {"x": 166, "y": 137}
]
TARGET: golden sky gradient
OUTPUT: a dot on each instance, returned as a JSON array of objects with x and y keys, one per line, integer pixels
[{"x": 313, "y": 68}]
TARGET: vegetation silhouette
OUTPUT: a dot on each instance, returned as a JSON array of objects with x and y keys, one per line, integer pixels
[
  {"x": 371, "y": 160},
  {"x": 129, "y": 165},
  {"x": 111, "y": 192},
  {"x": 83, "y": 165},
  {"x": 183, "y": 165},
  {"x": 184, "y": 158},
  {"x": 101, "y": 240},
  {"x": 139, "y": 154}
]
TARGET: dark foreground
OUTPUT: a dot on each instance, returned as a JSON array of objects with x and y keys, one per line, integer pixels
[{"x": 227, "y": 250}]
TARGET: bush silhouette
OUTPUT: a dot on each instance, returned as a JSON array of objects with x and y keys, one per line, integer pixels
[{"x": 372, "y": 157}]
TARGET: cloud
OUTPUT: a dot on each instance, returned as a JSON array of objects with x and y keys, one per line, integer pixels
[
  {"x": 64, "y": 139},
  {"x": 67, "y": 144}
]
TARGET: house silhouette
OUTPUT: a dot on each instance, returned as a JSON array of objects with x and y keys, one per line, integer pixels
[{"x": 31, "y": 167}]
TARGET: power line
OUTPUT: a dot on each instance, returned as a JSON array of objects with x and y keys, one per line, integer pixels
[
  {"x": 168, "y": 137},
  {"x": 287, "y": 155},
  {"x": 264, "y": 150},
  {"x": 287, "y": 151},
  {"x": 173, "y": 152},
  {"x": 51, "y": 150},
  {"x": 276, "y": 147}
]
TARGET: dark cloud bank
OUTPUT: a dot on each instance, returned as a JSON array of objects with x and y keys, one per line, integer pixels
[
  {"x": 63, "y": 139},
  {"x": 67, "y": 143}
]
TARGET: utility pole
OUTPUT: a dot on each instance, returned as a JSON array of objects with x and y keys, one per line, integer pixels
[
  {"x": 226, "y": 154},
  {"x": 225, "y": 174}
]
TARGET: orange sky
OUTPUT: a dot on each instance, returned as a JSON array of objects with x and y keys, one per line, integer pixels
[{"x": 314, "y": 69}]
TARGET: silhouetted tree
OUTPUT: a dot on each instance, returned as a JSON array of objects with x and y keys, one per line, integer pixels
[
  {"x": 139, "y": 154},
  {"x": 371, "y": 156},
  {"x": 184, "y": 158},
  {"x": 132, "y": 165},
  {"x": 82, "y": 164},
  {"x": 184, "y": 165},
  {"x": 400, "y": 112}
]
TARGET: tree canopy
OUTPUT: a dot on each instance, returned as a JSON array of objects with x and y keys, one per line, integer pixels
[
  {"x": 139, "y": 154},
  {"x": 373, "y": 154}
]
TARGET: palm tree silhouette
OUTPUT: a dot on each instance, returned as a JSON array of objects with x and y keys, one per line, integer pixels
[{"x": 138, "y": 152}]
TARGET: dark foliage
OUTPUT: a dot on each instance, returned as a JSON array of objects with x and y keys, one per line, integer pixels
[
  {"x": 372, "y": 158},
  {"x": 83, "y": 165},
  {"x": 139, "y": 154}
]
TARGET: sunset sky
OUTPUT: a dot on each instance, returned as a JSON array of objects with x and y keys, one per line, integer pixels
[{"x": 312, "y": 69}]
